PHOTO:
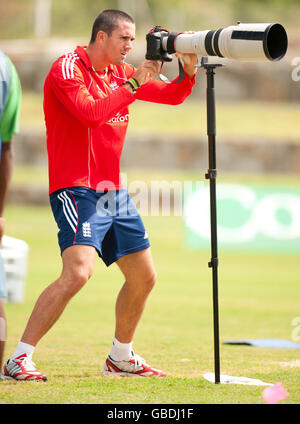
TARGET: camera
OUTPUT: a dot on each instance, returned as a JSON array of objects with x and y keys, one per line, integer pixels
[{"x": 243, "y": 42}]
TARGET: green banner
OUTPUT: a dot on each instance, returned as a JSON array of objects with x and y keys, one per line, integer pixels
[{"x": 250, "y": 217}]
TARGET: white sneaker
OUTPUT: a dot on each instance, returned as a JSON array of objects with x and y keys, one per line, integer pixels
[
  {"x": 22, "y": 369},
  {"x": 134, "y": 367}
]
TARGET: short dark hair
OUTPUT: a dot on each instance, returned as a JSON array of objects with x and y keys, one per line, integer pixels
[{"x": 108, "y": 21}]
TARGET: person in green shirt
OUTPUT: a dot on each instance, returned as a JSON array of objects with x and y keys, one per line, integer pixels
[{"x": 10, "y": 103}]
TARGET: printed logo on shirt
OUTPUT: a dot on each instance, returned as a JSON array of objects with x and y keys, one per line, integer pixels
[
  {"x": 114, "y": 85},
  {"x": 86, "y": 229},
  {"x": 119, "y": 118}
]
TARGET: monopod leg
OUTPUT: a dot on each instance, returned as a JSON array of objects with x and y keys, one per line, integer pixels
[{"x": 212, "y": 175}]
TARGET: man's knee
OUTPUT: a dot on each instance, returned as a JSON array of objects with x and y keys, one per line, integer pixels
[
  {"x": 74, "y": 279},
  {"x": 77, "y": 269},
  {"x": 139, "y": 271},
  {"x": 152, "y": 280},
  {"x": 149, "y": 281}
]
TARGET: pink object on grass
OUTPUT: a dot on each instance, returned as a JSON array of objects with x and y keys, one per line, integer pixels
[{"x": 275, "y": 393}]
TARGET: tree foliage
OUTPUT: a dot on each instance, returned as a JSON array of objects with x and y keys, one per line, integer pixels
[{"x": 74, "y": 18}]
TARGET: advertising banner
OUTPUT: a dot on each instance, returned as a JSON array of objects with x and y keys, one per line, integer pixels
[{"x": 255, "y": 218}]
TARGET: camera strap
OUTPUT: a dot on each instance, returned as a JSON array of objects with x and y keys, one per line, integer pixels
[
  {"x": 171, "y": 50},
  {"x": 180, "y": 77}
]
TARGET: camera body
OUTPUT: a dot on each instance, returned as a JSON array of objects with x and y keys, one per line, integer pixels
[{"x": 155, "y": 50}]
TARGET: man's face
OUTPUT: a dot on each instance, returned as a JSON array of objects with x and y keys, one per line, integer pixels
[{"x": 119, "y": 44}]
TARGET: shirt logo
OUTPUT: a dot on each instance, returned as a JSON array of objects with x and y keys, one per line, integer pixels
[
  {"x": 86, "y": 229},
  {"x": 119, "y": 118},
  {"x": 114, "y": 85}
]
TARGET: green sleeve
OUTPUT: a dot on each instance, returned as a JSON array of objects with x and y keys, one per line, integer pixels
[{"x": 9, "y": 123}]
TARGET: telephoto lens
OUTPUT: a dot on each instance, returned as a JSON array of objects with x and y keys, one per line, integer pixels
[{"x": 243, "y": 42}]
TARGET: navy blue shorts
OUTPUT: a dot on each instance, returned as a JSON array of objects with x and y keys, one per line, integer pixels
[{"x": 108, "y": 220}]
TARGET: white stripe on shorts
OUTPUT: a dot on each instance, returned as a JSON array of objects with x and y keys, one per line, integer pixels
[{"x": 69, "y": 210}]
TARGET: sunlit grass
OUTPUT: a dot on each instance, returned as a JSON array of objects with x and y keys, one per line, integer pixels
[{"x": 258, "y": 299}]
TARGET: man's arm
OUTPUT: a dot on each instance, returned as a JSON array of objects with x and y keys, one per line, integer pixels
[
  {"x": 9, "y": 125},
  {"x": 6, "y": 167},
  {"x": 73, "y": 93},
  {"x": 171, "y": 94}
]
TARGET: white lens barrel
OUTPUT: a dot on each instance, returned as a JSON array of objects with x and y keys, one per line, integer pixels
[
  {"x": 253, "y": 42},
  {"x": 189, "y": 43},
  {"x": 243, "y": 42}
]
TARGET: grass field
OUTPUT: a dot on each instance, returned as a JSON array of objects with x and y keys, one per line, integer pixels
[{"x": 258, "y": 294}]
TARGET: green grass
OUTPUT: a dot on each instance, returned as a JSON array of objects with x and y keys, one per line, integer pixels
[
  {"x": 236, "y": 120},
  {"x": 258, "y": 295}
]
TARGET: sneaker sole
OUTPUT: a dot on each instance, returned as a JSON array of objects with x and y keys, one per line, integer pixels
[
  {"x": 6, "y": 377},
  {"x": 121, "y": 374},
  {"x": 128, "y": 374}
]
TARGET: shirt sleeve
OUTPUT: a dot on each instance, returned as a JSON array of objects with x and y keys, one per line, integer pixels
[
  {"x": 9, "y": 121},
  {"x": 161, "y": 92},
  {"x": 72, "y": 91}
]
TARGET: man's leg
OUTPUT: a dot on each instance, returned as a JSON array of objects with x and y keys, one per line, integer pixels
[
  {"x": 140, "y": 277},
  {"x": 2, "y": 332},
  {"x": 78, "y": 262},
  {"x": 6, "y": 168}
]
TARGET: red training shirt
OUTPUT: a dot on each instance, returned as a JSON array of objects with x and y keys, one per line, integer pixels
[{"x": 87, "y": 115}]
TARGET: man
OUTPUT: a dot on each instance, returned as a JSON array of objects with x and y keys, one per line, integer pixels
[
  {"x": 86, "y": 99},
  {"x": 10, "y": 101}
]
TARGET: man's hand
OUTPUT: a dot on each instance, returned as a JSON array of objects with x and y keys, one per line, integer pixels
[
  {"x": 146, "y": 70},
  {"x": 189, "y": 62}
]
